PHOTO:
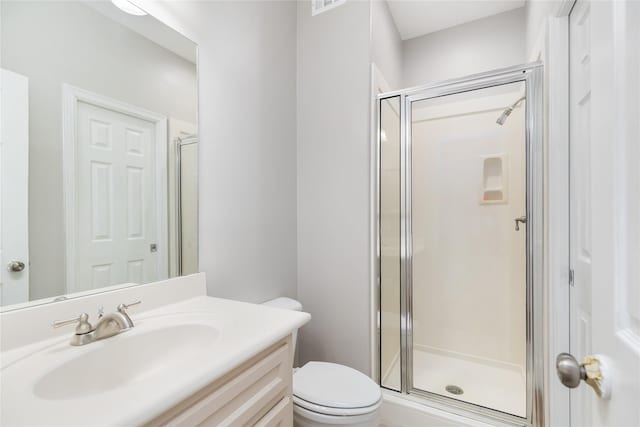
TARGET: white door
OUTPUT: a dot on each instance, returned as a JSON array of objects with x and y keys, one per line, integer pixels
[
  {"x": 605, "y": 207},
  {"x": 14, "y": 188},
  {"x": 116, "y": 237}
]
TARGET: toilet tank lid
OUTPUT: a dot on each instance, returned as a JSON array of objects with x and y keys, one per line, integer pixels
[{"x": 285, "y": 303}]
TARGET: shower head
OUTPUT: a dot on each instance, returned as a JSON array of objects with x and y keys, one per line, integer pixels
[
  {"x": 507, "y": 111},
  {"x": 504, "y": 115}
]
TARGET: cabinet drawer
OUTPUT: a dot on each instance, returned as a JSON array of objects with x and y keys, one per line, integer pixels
[
  {"x": 242, "y": 397},
  {"x": 280, "y": 416}
]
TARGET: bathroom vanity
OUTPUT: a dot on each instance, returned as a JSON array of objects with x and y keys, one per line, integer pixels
[
  {"x": 189, "y": 360},
  {"x": 256, "y": 393}
]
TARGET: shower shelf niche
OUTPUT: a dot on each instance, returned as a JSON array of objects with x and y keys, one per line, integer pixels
[{"x": 494, "y": 189}]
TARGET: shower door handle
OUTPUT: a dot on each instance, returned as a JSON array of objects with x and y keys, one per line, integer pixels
[{"x": 519, "y": 220}]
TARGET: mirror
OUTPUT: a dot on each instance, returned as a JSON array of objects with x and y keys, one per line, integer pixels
[{"x": 98, "y": 177}]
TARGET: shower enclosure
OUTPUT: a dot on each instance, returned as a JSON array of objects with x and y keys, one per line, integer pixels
[
  {"x": 187, "y": 204},
  {"x": 459, "y": 238}
]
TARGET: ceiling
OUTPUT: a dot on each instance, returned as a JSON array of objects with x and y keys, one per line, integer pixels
[
  {"x": 148, "y": 27},
  {"x": 415, "y": 18}
]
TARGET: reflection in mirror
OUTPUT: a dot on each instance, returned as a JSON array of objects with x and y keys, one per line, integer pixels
[
  {"x": 187, "y": 205},
  {"x": 98, "y": 184}
]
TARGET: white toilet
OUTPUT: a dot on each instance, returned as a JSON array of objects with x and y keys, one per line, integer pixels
[{"x": 328, "y": 394}]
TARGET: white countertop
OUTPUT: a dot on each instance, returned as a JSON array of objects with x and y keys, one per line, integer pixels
[{"x": 243, "y": 330}]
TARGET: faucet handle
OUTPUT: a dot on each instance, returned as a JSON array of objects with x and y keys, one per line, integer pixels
[
  {"x": 84, "y": 327},
  {"x": 122, "y": 308}
]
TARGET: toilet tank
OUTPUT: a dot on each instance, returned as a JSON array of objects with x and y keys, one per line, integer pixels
[{"x": 286, "y": 304}]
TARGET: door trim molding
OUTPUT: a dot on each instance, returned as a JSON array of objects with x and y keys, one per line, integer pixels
[
  {"x": 71, "y": 96},
  {"x": 552, "y": 48},
  {"x": 554, "y": 51}
]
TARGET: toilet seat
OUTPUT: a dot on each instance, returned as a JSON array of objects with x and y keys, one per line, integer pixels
[
  {"x": 335, "y": 390},
  {"x": 323, "y": 419},
  {"x": 336, "y": 412}
]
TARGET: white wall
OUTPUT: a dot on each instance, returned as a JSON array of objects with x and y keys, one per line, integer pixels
[
  {"x": 333, "y": 102},
  {"x": 386, "y": 44},
  {"x": 483, "y": 45},
  {"x": 42, "y": 40},
  {"x": 247, "y": 157},
  {"x": 536, "y": 14}
]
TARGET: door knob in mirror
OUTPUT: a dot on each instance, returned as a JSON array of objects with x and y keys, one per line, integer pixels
[{"x": 15, "y": 266}]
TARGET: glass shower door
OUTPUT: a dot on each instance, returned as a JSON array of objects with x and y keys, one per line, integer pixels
[
  {"x": 460, "y": 245},
  {"x": 468, "y": 270}
]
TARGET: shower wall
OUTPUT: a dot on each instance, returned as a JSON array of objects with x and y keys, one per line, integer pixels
[{"x": 468, "y": 261}]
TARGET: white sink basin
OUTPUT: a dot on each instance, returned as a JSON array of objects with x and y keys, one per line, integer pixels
[
  {"x": 172, "y": 352},
  {"x": 136, "y": 356}
]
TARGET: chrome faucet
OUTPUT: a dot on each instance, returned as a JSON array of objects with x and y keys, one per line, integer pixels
[{"x": 107, "y": 325}]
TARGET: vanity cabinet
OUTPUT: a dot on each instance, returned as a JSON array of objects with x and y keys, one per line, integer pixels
[{"x": 257, "y": 393}]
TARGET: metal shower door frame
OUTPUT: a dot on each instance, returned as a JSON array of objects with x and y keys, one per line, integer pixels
[
  {"x": 180, "y": 142},
  {"x": 531, "y": 75}
]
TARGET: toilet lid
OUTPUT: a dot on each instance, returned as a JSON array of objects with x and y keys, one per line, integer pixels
[{"x": 335, "y": 386}]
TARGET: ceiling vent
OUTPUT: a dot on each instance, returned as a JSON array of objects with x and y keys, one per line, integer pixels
[{"x": 319, "y": 6}]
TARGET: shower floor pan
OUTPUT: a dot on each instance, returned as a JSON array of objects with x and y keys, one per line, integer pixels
[{"x": 487, "y": 383}]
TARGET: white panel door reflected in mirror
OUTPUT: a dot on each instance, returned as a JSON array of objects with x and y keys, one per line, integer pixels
[{"x": 103, "y": 88}]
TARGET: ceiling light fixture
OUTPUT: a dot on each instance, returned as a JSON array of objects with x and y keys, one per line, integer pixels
[{"x": 128, "y": 7}]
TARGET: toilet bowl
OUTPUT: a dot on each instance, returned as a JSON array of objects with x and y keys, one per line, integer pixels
[{"x": 329, "y": 394}]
